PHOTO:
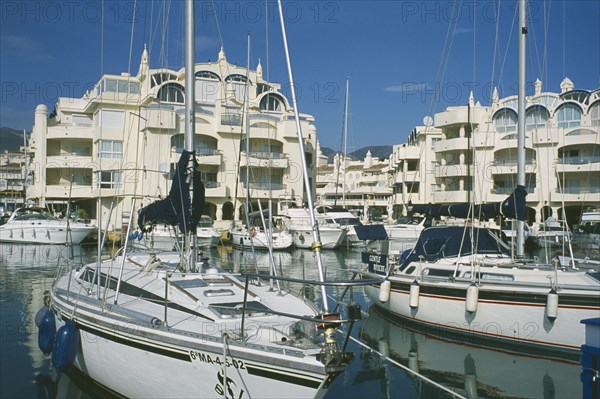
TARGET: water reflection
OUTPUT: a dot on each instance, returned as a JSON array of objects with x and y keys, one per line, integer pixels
[{"x": 470, "y": 370}]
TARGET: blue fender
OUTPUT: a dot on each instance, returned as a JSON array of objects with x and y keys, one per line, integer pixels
[
  {"x": 40, "y": 314},
  {"x": 47, "y": 333},
  {"x": 65, "y": 346}
]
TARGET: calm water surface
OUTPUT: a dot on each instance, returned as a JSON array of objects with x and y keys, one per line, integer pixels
[{"x": 469, "y": 369}]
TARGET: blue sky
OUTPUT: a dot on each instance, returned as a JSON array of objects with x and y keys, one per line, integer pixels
[{"x": 405, "y": 60}]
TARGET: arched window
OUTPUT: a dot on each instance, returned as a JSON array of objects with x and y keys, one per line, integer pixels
[
  {"x": 536, "y": 118},
  {"x": 158, "y": 78},
  {"x": 271, "y": 103},
  {"x": 595, "y": 114},
  {"x": 171, "y": 93},
  {"x": 569, "y": 115},
  {"x": 208, "y": 87},
  {"x": 209, "y": 75},
  {"x": 506, "y": 121}
]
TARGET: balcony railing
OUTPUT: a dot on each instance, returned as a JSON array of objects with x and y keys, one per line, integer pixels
[
  {"x": 266, "y": 186},
  {"x": 577, "y": 160},
  {"x": 578, "y": 190}
]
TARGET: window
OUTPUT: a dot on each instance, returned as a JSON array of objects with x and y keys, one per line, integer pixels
[
  {"x": 271, "y": 102},
  {"x": 111, "y": 179},
  {"x": 536, "y": 119},
  {"x": 262, "y": 88},
  {"x": 110, "y": 149},
  {"x": 595, "y": 114},
  {"x": 121, "y": 86},
  {"x": 171, "y": 93},
  {"x": 82, "y": 120},
  {"x": 158, "y": 78},
  {"x": 569, "y": 115},
  {"x": 112, "y": 119},
  {"x": 506, "y": 121}
]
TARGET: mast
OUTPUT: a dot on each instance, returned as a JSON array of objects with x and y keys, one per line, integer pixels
[
  {"x": 521, "y": 121},
  {"x": 345, "y": 142},
  {"x": 316, "y": 246},
  {"x": 190, "y": 117}
]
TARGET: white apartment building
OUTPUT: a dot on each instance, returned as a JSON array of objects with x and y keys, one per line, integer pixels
[
  {"x": 470, "y": 154},
  {"x": 124, "y": 137},
  {"x": 12, "y": 181},
  {"x": 363, "y": 186}
]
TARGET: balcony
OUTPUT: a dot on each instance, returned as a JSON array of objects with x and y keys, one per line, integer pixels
[
  {"x": 449, "y": 196},
  {"x": 72, "y": 132},
  {"x": 577, "y": 194},
  {"x": 509, "y": 167},
  {"x": 578, "y": 164},
  {"x": 68, "y": 161},
  {"x": 216, "y": 189},
  {"x": 63, "y": 190},
  {"x": 460, "y": 143},
  {"x": 265, "y": 159},
  {"x": 453, "y": 170},
  {"x": 266, "y": 190},
  {"x": 210, "y": 157}
]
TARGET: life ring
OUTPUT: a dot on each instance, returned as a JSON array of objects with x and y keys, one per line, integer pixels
[{"x": 253, "y": 231}]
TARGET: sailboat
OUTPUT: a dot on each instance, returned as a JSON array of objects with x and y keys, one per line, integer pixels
[
  {"x": 464, "y": 280},
  {"x": 259, "y": 231},
  {"x": 298, "y": 222},
  {"x": 340, "y": 214},
  {"x": 163, "y": 324}
]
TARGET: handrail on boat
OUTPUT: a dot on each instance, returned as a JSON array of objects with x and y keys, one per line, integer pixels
[
  {"x": 332, "y": 283},
  {"x": 328, "y": 321}
]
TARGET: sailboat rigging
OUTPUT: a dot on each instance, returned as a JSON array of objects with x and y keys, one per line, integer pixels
[
  {"x": 215, "y": 331},
  {"x": 464, "y": 280}
]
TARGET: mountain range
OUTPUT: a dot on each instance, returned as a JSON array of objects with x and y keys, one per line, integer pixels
[
  {"x": 12, "y": 139},
  {"x": 377, "y": 151}
]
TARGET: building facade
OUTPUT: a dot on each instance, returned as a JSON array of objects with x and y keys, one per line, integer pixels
[
  {"x": 470, "y": 154},
  {"x": 13, "y": 175},
  {"x": 362, "y": 186},
  {"x": 122, "y": 140}
]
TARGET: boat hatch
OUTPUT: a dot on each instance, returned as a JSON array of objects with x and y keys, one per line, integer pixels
[
  {"x": 186, "y": 284},
  {"x": 594, "y": 274},
  {"x": 221, "y": 292},
  {"x": 230, "y": 310}
]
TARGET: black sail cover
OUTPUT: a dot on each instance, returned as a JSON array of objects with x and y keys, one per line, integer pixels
[
  {"x": 178, "y": 208},
  {"x": 513, "y": 207}
]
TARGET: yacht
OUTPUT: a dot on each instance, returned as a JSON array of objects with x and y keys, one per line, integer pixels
[{"x": 38, "y": 226}]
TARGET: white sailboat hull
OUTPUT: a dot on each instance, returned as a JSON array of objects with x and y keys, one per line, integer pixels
[
  {"x": 511, "y": 313},
  {"x": 137, "y": 347},
  {"x": 124, "y": 360},
  {"x": 330, "y": 238},
  {"x": 241, "y": 239}
]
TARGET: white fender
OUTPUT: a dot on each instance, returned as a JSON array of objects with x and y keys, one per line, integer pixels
[
  {"x": 384, "y": 290},
  {"x": 413, "y": 301},
  {"x": 472, "y": 298},
  {"x": 552, "y": 305}
]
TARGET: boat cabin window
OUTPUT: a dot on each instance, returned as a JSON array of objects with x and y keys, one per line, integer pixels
[
  {"x": 490, "y": 276},
  {"x": 410, "y": 270},
  {"x": 437, "y": 272},
  {"x": 26, "y": 214}
]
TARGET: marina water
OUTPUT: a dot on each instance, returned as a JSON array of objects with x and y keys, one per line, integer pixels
[{"x": 471, "y": 369}]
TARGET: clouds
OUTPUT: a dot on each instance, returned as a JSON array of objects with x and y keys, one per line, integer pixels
[
  {"x": 23, "y": 47},
  {"x": 408, "y": 87}
]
